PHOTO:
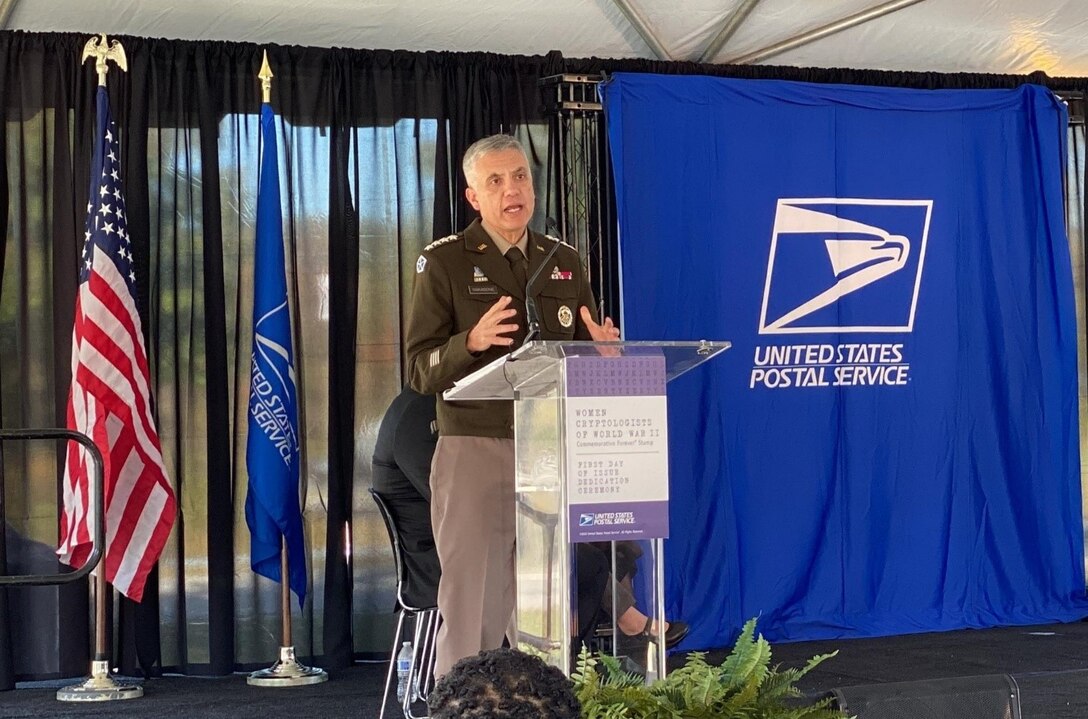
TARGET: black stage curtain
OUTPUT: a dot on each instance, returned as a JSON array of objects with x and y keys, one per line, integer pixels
[
  {"x": 370, "y": 153},
  {"x": 366, "y": 142}
]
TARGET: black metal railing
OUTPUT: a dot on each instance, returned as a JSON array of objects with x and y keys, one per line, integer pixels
[{"x": 97, "y": 488}]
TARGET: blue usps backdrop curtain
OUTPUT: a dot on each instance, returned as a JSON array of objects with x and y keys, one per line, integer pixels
[{"x": 891, "y": 445}]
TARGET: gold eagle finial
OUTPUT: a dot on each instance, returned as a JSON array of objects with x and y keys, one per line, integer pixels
[{"x": 103, "y": 50}]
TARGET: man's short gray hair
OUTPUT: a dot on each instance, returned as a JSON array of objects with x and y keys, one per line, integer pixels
[{"x": 492, "y": 143}]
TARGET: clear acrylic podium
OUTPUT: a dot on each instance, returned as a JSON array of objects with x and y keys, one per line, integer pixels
[{"x": 591, "y": 482}]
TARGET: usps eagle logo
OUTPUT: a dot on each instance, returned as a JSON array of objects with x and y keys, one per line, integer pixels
[{"x": 844, "y": 265}]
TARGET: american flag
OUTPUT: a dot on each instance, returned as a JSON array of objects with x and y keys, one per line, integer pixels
[{"x": 110, "y": 397}]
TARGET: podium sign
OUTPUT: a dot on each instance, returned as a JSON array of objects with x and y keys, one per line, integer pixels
[
  {"x": 617, "y": 448},
  {"x": 591, "y": 488}
]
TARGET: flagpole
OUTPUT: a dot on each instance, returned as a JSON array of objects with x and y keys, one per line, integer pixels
[
  {"x": 288, "y": 671},
  {"x": 101, "y": 686},
  {"x": 285, "y": 597}
]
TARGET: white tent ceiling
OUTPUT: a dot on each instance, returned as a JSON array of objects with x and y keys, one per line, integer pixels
[{"x": 999, "y": 36}]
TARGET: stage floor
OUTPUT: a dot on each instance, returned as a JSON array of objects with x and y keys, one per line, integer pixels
[{"x": 1049, "y": 663}]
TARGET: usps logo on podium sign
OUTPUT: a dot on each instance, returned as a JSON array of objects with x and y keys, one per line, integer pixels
[{"x": 617, "y": 448}]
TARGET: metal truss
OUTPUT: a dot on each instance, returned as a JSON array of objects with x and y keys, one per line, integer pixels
[{"x": 584, "y": 207}]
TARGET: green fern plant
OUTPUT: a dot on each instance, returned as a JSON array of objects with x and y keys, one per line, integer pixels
[{"x": 745, "y": 686}]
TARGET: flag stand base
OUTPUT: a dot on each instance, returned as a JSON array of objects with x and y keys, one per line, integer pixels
[
  {"x": 100, "y": 687},
  {"x": 287, "y": 672}
]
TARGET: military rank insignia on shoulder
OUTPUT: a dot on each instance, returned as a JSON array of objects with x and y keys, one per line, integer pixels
[
  {"x": 421, "y": 263},
  {"x": 438, "y": 243}
]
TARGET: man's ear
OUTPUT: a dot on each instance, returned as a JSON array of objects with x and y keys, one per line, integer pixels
[{"x": 470, "y": 195}]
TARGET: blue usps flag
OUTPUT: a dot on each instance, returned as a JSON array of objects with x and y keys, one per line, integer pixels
[
  {"x": 272, "y": 449},
  {"x": 891, "y": 444}
]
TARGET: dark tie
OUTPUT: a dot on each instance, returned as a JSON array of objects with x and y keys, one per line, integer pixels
[{"x": 518, "y": 265}]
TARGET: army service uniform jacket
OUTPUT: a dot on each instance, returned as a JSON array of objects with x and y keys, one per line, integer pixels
[{"x": 458, "y": 278}]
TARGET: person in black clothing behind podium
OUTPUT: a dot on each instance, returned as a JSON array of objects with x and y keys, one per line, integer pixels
[{"x": 401, "y": 475}]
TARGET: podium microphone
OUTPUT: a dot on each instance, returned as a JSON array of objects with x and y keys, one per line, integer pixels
[{"x": 532, "y": 314}]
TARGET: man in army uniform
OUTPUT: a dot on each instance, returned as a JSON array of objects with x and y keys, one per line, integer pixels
[{"x": 468, "y": 308}]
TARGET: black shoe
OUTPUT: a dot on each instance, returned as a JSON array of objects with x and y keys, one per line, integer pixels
[
  {"x": 676, "y": 633},
  {"x": 673, "y": 635}
]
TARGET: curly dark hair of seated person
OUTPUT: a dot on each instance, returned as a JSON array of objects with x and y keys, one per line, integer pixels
[{"x": 503, "y": 684}]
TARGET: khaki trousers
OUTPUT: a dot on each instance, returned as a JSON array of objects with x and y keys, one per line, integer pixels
[{"x": 472, "y": 514}]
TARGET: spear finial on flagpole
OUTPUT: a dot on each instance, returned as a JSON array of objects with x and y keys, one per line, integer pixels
[
  {"x": 102, "y": 51},
  {"x": 266, "y": 79}
]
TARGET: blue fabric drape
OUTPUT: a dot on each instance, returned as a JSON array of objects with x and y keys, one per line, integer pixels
[{"x": 891, "y": 446}]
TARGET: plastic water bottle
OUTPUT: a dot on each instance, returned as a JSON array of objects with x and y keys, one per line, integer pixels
[{"x": 404, "y": 664}]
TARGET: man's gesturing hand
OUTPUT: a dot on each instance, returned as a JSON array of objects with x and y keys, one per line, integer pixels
[
  {"x": 490, "y": 329},
  {"x": 604, "y": 332}
]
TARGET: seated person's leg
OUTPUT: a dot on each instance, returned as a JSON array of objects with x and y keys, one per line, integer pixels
[
  {"x": 629, "y": 620},
  {"x": 594, "y": 577},
  {"x": 412, "y": 516},
  {"x": 618, "y": 597},
  {"x": 627, "y": 556}
]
